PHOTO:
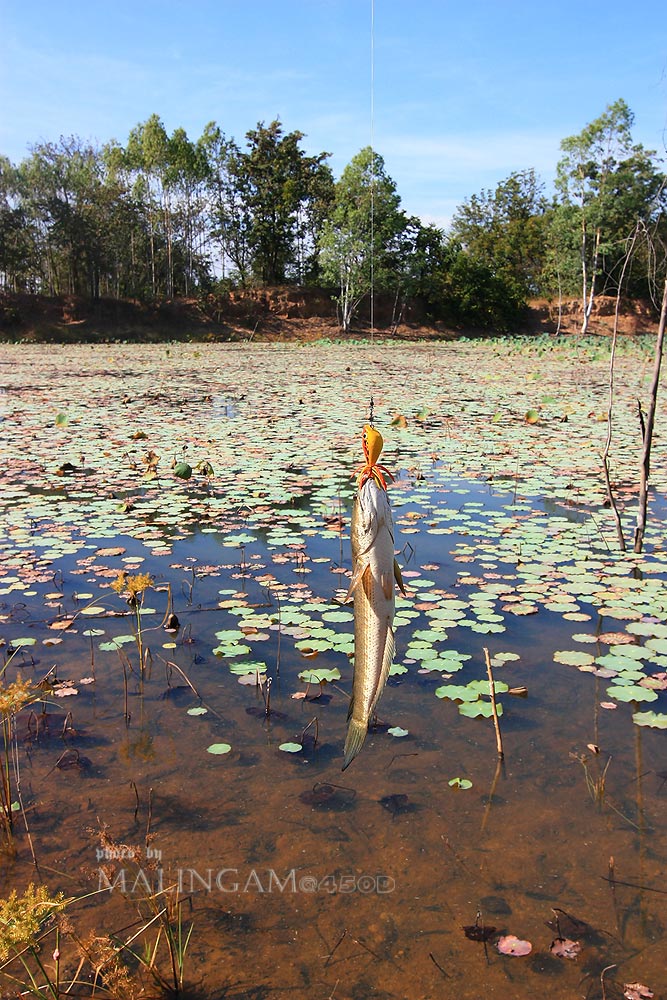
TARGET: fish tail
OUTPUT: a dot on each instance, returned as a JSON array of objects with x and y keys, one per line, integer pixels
[{"x": 356, "y": 734}]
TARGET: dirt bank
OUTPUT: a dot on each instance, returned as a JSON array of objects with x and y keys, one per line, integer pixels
[{"x": 270, "y": 314}]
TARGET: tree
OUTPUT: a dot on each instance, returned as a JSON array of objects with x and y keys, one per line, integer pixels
[
  {"x": 361, "y": 248},
  {"x": 284, "y": 192},
  {"x": 147, "y": 156},
  {"x": 228, "y": 188},
  {"x": 503, "y": 231},
  {"x": 16, "y": 244},
  {"x": 612, "y": 184},
  {"x": 59, "y": 187},
  {"x": 187, "y": 173}
]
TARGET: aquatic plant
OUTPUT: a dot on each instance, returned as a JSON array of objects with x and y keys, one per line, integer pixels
[
  {"x": 13, "y": 698},
  {"x": 22, "y": 921},
  {"x": 134, "y": 588}
]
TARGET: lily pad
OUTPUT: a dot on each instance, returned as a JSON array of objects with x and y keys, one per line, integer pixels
[{"x": 463, "y": 783}]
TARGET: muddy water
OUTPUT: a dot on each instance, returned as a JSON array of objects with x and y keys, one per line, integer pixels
[{"x": 301, "y": 880}]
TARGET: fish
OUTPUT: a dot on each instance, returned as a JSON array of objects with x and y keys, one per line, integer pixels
[{"x": 374, "y": 571}]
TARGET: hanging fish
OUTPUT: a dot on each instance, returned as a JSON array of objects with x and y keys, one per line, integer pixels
[{"x": 374, "y": 570}]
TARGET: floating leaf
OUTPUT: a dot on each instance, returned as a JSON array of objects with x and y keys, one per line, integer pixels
[
  {"x": 218, "y": 748},
  {"x": 633, "y": 692},
  {"x": 637, "y": 991},
  {"x": 463, "y": 783},
  {"x": 655, "y": 720},
  {"x": 198, "y": 710},
  {"x": 573, "y": 658},
  {"x": 397, "y": 731},
  {"x": 320, "y": 675},
  {"x": 290, "y": 747},
  {"x": 479, "y": 709},
  {"x": 509, "y": 944},
  {"x": 565, "y": 948}
]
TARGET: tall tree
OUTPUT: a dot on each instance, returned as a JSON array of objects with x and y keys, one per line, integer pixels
[
  {"x": 147, "y": 155},
  {"x": 229, "y": 211},
  {"x": 612, "y": 184},
  {"x": 60, "y": 186},
  {"x": 362, "y": 241},
  {"x": 283, "y": 189},
  {"x": 16, "y": 239}
]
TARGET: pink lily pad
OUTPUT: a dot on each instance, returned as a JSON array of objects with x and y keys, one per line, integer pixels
[{"x": 509, "y": 944}]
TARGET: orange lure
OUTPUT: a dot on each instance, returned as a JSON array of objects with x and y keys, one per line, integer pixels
[{"x": 372, "y": 444}]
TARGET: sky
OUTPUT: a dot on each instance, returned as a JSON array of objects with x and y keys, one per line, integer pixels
[{"x": 454, "y": 94}]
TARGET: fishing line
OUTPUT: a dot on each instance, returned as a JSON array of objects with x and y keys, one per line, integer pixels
[{"x": 372, "y": 128}]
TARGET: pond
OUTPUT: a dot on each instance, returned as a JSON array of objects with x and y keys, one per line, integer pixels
[{"x": 217, "y": 481}]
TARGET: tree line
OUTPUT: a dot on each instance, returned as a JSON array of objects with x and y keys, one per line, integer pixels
[{"x": 166, "y": 216}]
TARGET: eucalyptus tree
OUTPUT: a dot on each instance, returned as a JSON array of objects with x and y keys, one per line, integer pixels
[
  {"x": 147, "y": 156},
  {"x": 229, "y": 212},
  {"x": 611, "y": 183},
  {"x": 362, "y": 243},
  {"x": 186, "y": 175}
]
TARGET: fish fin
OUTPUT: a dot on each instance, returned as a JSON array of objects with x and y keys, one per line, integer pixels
[
  {"x": 398, "y": 576},
  {"x": 367, "y": 581},
  {"x": 356, "y": 735},
  {"x": 387, "y": 658},
  {"x": 357, "y": 576},
  {"x": 387, "y": 585}
]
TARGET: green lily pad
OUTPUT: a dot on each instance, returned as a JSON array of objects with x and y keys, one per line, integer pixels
[
  {"x": 218, "y": 748},
  {"x": 463, "y": 783},
  {"x": 631, "y": 692},
  {"x": 479, "y": 709},
  {"x": 290, "y": 747},
  {"x": 319, "y": 675},
  {"x": 655, "y": 720},
  {"x": 573, "y": 658},
  {"x": 457, "y": 692}
]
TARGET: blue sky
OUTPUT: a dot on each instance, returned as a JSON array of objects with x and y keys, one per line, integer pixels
[{"x": 465, "y": 91}]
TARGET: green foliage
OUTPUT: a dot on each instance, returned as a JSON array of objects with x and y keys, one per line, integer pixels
[
  {"x": 268, "y": 203},
  {"x": 503, "y": 231},
  {"x": 165, "y": 216},
  {"x": 609, "y": 186},
  {"x": 361, "y": 244}
]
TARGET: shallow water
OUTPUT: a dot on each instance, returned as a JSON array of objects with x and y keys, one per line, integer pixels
[{"x": 356, "y": 884}]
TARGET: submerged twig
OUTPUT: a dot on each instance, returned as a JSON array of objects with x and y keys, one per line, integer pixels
[
  {"x": 648, "y": 433},
  {"x": 492, "y": 792},
  {"x": 494, "y": 707},
  {"x": 437, "y": 965},
  {"x": 606, "y": 969}
]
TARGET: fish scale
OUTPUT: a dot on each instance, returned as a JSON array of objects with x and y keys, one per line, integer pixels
[{"x": 372, "y": 585}]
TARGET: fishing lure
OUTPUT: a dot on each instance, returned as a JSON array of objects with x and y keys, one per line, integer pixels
[{"x": 372, "y": 443}]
